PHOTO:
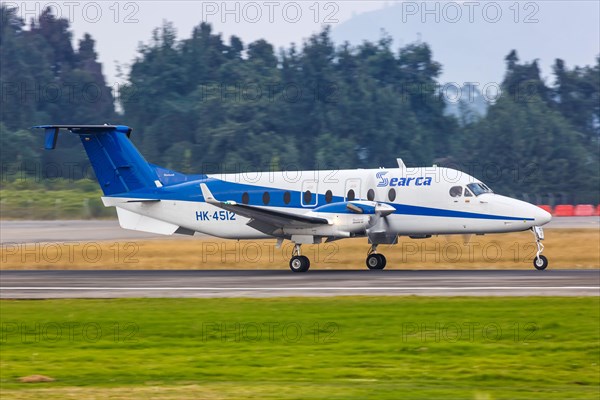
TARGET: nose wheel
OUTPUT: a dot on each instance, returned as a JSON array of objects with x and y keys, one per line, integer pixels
[
  {"x": 299, "y": 263},
  {"x": 539, "y": 262},
  {"x": 374, "y": 259}
]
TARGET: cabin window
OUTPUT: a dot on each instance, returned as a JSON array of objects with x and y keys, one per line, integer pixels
[
  {"x": 266, "y": 198},
  {"x": 392, "y": 194},
  {"x": 287, "y": 197},
  {"x": 328, "y": 196},
  {"x": 371, "y": 195},
  {"x": 245, "y": 198},
  {"x": 456, "y": 191},
  {"x": 351, "y": 196},
  {"x": 307, "y": 197}
]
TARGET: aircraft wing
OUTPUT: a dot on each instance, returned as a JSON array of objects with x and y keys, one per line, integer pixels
[{"x": 264, "y": 219}]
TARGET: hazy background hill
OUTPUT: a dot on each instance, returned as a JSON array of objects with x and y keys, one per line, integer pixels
[{"x": 474, "y": 52}]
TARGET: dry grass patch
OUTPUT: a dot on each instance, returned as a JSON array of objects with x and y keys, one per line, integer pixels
[
  {"x": 36, "y": 379},
  {"x": 565, "y": 248},
  {"x": 186, "y": 392}
]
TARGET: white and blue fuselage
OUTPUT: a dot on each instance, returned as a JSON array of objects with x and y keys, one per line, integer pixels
[
  {"x": 424, "y": 200},
  {"x": 301, "y": 206}
]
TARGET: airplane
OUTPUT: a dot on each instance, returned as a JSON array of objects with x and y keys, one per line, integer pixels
[{"x": 304, "y": 207}]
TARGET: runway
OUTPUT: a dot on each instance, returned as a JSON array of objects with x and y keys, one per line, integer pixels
[{"x": 263, "y": 283}]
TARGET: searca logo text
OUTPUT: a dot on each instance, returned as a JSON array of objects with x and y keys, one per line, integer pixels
[{"x": 385, "y": 181}]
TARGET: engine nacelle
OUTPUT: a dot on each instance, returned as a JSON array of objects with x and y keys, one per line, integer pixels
[{"x": 346, "y": 219}]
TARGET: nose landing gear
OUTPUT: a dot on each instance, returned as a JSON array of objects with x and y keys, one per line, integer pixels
[
  {"x": 539, "y": 262},
  {"x": 374, "y": 259}
]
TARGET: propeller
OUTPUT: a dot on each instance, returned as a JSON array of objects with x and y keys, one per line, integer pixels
[
  {"x": 354, "y": 208},
  {"x": 382, "y": 211}
]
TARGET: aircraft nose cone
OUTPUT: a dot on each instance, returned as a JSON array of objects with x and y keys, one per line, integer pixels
[{"x": 541, "y": 216}]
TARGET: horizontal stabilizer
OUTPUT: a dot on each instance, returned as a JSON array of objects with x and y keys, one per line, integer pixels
[
  {"x": 137, "y": 222},
  {"x": 51, "y": 131},
  {"x": 144, "y": 201},
  {"x": 115, "y": 201},
  {"x": 80, "y": 129}
]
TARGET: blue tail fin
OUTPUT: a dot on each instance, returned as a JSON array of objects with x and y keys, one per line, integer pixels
[{"x": 119, "y": 166}]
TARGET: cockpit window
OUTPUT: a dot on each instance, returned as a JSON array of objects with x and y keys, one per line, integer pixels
[
  {"x": 456, "y": 191},
  {"x": 468, "y": 193},
  {"x": 479, "y": 188}
]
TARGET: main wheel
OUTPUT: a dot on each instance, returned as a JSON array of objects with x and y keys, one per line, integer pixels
[
  {"x": 299, "y": 264},
  {"x": 376, "y": 261},
  {"x": 383, "y": 260},
  {"x": 540, "y": 263}
]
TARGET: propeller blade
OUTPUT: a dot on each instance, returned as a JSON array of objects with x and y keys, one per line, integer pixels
[
  {"x": 384, "y": 209},
  {"x": 354, "y": 208}
]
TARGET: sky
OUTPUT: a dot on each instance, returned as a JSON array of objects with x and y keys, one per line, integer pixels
[{"x": 470, "y": 39}]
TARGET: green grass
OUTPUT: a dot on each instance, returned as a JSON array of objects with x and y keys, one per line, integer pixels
[
  {"x": 349, "y": 347},
  {"x": 58, "y": 199}
]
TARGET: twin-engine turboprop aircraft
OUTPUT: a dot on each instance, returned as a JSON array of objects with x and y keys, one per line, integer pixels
[{"x": 306, "y": 207}]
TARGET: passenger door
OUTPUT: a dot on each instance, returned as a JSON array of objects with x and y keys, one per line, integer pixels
[{"x": 352, "y": 189}]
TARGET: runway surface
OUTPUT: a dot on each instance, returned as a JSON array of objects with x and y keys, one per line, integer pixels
[
  {"x": 263, "y": 283},
  {"x": 69, "y": 231}
]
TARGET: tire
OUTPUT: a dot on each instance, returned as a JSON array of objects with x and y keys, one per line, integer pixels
[
  {"x": 540, "y": 263},
  {"x": 383, "y": 260},
  {"x": 376, "y": 261},
  {"x": 299, "y": 264}
]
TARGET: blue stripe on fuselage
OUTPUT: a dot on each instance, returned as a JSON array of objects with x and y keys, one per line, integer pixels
[
  {"x": 406, "y": 209},
  {"x": 224, "y": 191}
]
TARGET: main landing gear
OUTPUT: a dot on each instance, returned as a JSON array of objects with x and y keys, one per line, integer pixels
[
  {"x": 374, "y": 259},
  {"x": 539, "y": 262},
  {"x": 299, "y": 263}
]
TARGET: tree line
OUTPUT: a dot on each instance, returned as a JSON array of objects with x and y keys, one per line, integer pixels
[{"x": 208, "y": 104}]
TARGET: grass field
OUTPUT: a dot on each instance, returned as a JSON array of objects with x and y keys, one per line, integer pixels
[
  {"x": 565, "y": 248},
  {"x": 52, "y": 199},
  {"x": 292, "y": 348}
]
